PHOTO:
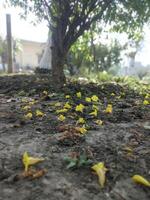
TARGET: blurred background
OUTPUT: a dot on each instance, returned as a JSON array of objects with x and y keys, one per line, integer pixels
[{"x": 99, "y": 54}]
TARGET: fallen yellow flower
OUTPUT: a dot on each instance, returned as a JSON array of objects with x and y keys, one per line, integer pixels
[
  {"x": 112, "y": 94},
  {"x": 141, "y": 180},
  {"x": 146, "y": 102},
  {"x": 67, "y": 96},
  {"x": 67, "y": 105},
  {"x": 88, "y": 99},
  {"x": 61, "y": 118},
  {"x": 81, "y": 120},
  {"x": 94, "y": 98},
  {"x": 82, "y": 130},
  {"x": 80, "y": 107},
  {"x": 45, "y": 92},
  {"x": 94, "y": 113},
  {"x": 62, "y": 110},
  {"x": 38, "y": 113},
  {"x": 108, "y": 108},
  {"x": 28, "y": 115},
  {"x": 100, "y": 170},
  {"x": 26, "y": 108},
  {"x": 27, "y": 160},
  {"x": 99, "y": 122},
  {"x": 78, "y": 94},
  {"x": 32, "y": 102}
]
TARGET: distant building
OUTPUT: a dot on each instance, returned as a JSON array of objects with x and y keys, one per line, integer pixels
[{"x": 29, "y": 56}]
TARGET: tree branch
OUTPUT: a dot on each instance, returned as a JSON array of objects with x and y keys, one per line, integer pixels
[{"x": 84, "y": 23}]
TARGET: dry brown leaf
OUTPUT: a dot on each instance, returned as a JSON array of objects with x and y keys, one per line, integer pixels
[{"x": 39, "y": 173}]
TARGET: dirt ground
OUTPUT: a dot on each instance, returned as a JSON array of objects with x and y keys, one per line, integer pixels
[{"x": 122, "y": 142}]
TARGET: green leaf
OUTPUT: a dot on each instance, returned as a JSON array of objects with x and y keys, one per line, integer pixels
[{"x": 72, "y": 165}]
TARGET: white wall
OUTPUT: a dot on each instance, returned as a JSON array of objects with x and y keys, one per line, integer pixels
[{"x": 28, "y": 56}]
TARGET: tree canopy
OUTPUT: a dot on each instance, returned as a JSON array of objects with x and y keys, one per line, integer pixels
[
  {"x": 94, "y": 55},
  {"x": 69, "y": 19}
]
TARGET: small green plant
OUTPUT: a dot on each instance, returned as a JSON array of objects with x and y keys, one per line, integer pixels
[{"x": 76, "y": 160}]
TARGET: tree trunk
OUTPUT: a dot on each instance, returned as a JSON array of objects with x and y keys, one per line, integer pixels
[
  {"x": 58, "y": 60},
  {"x": 58, "y": 75},
  {"x": 46, "y": 60}
]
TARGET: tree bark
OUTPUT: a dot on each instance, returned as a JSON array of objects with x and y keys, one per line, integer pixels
[{"x": 58, "y": 59}]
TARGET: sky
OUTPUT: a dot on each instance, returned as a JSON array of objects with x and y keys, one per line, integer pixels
[{"x": 23, "y": 29}]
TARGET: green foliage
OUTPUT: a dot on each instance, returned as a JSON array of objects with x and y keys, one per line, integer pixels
[
  {"x": 80, "y": 54},
  {"x": 77, "y": 161},
  {"x": 108, "y": 55},
  {"x": 134, "y": 83},
  {"x": 129, "y": 16},
  {"x": 104, "y": 57},
  {"x": 104, "y": 76},
  {"x": 96, "y": 77}
]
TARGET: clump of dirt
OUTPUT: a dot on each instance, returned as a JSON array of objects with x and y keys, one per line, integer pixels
[{"x": 121, "y": 142}]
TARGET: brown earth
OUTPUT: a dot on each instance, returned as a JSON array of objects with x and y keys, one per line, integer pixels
[{"x": 122, "y": 142}]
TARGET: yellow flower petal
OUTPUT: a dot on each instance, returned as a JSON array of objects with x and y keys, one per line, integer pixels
[
  {"x": 67, "y": 106},
  {"x": 26, "y": 108},
  {"x": 32, "y": 102},
  {"x": 78, "y": 94},
  {"x": 45, "y": 92},
  {"x": 81, "y": 120},
  {"x": 28, "y": 115},
  {"x": 61, "y": 118},
  {"x": 100, "y": 170},
  {"x": 67, "y": 96},
  {"x": 80, "y": 107},
  {"x": 27, "y": 160},
  {"x": 94, "y": 113},
  {"x": 108, "y": 108},
  {"x": 112, "y": 94},
  {"x": 99, "y": 122},
  {"x": 82, "y": 130},
  {"x": 88, "y": 99},
  {"x": 141, "y": 180},
  {"x": 62, "y": 110},
  {"x": 94, "y": 98},
  {"x": 38, "y": 113},
  {"x": 146, "y": 102}
]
